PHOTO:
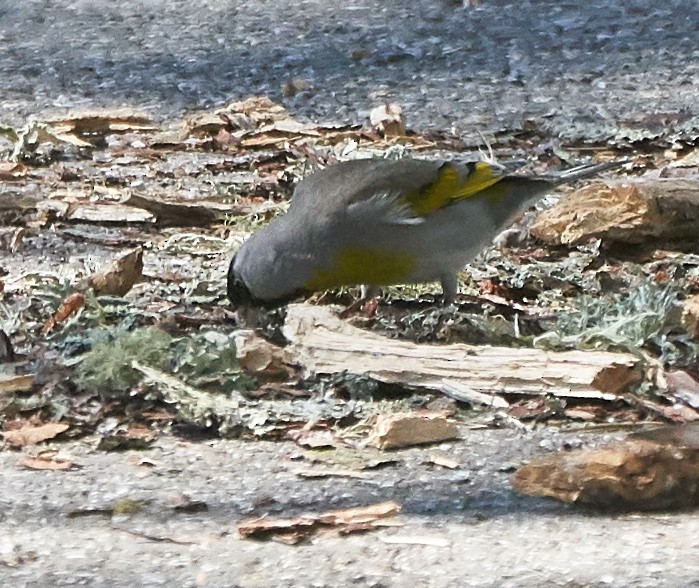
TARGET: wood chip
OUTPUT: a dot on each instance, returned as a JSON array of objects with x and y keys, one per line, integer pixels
[
  {"x": 12, "y": 384},
  {"x": 443, "y": 460},
  {"x": 683, "y": 387},
  {"x": 321, "y": 343},
  {"x": 388, "y": 120},
  {"x": 394, "y": 431},
  {"x": 580, "y": 414},
  {"x": 626, "y": 212},
  {"x": 690, "y": 316},
  {"x": 259, "y": 357},
  {"x": 294, "y": 530},
  {"x": 46, "y": 463},
  {"x": 31, "y": 435},
  {"x": 184, "y": 214},
  {"x": 120, "y": 276},
  {"x": 93, "y": 122},
  {"x": 651, "y": 470},
  {"x": 677, "y": 413},
  {"x": 462, "y": 393},
  {"x": 71, "y": 305},
  {"x": 112, "y": 213},
  {"x": 11, "y": 171}
]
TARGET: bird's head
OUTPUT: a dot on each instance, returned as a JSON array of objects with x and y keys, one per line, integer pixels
[
  {"x": 238, "y": 292},
  {"x": 240, "y": 295}
]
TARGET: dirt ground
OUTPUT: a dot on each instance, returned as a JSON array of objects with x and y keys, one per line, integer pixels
[{"x": 593, "y": 71}]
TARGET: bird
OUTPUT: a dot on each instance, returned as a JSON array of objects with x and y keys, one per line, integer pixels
[{"x": 378, "y": 222}]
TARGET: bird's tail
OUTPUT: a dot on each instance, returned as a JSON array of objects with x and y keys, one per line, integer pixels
[{"x": 583, "y": 171}]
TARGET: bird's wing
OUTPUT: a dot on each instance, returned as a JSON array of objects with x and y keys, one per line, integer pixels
[
  {"x": 451, "y": 184},
  {"x": 403, "y": 191}
]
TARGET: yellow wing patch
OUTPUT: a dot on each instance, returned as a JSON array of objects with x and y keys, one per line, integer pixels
[
  {"x": 450, "y": 187},
  {"x": 355, "y": 265}
]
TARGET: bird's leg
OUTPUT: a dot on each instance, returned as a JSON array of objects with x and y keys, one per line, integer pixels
[
  {"x": 450, "y": 285},
  {"x": 369, "y": 291}
]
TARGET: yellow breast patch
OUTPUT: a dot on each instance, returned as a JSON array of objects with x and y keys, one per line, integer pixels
[{"x": 355, "y": 265}]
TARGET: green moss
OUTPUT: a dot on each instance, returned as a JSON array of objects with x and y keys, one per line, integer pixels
[
  {"x": 107, "y": 368},
  {"x": 203, "y": 359},
  {"x": 645, "y": 317}
]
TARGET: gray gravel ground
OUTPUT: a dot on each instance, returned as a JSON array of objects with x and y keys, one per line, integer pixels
[
  {"x": 581, "y": 71},
  {"x": 485, "y": 535}
]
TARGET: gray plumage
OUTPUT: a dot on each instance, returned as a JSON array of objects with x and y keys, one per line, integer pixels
[{"x": 340, "y": 216}]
